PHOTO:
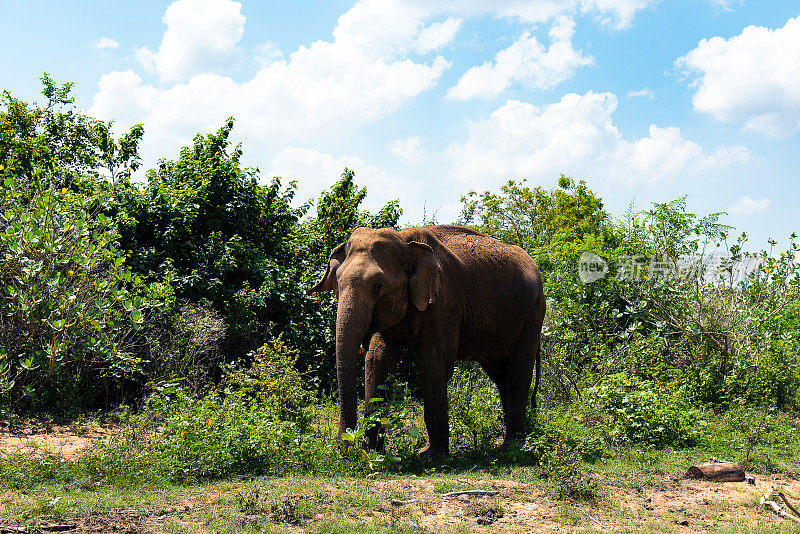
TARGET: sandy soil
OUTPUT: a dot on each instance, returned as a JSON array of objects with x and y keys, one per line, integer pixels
[{"x": 69, "y": 440}]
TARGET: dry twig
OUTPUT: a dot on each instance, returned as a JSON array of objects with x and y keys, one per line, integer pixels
[
  {"x": 398, "y": 502},
  {"x": 766, "y": 500},
  {"x": 469, "y": 492},
  {"x": 792, "y": 508}
]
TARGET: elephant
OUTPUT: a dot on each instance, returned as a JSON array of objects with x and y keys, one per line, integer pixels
[{"x": 452, "y": 293}]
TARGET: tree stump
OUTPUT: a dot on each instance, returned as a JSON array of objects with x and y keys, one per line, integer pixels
[{"x": 717, "y": 472}]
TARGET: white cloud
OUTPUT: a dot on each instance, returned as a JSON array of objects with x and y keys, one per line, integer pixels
[
  {"x": 618, "y": 13},
  {"x": 726, "y": 5},
  {"x": 266, "y": 53},
  {"x": 346, "y": 82},
  {"x": 664, "y": 154},
  {"x": 438, "y": 34},
  {"x": 381, "y": 25},
  {"x": 752, "y": 78},
  {"x": 369, "y": 69},
  {"x": 408, "y": 150},
  {"x": 642, "y": 93},
  {"x": 525, "y": 61},
  {"x": 364, "y": 73},
  {"x": 106, "y": 43},
  {"x": 614, "y": 13},
  {"x": 316, "y": 171},
  {"x": 316, "y": 87},
  {"x": 747, "y": 206},
  {"x": 577, "y": 136},
  {"x": 378, "y": 28},
  {"x": 201, "y": 36}
]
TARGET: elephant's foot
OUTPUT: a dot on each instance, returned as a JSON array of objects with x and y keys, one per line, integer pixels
[{"x": 429, "y": 451}]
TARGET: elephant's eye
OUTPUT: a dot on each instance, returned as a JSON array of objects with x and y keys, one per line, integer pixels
[{"x": 378, "y": 285}]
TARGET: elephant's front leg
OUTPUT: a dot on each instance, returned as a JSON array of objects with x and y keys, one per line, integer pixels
[
  {"x": 381, "y": 359},
  {"x": 436, "y": 364}
]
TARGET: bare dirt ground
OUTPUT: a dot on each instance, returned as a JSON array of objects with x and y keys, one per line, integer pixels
[
  {"x": 677, "y": 505},
  {"x": 69, "y": 440},
  {"x": 673, "y": 505},
  {"x": 121, "y": 521},
  {"x": 681, "y": 506}
]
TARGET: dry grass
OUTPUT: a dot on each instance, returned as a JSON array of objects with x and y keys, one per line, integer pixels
[
  {"x": 640, "y": 492},
  {"x": 357, "y": 505}
]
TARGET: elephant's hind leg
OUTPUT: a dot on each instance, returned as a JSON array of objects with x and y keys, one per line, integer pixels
[
  {"x": 498, "y": 373},
  {"x": 520, "y": 373}
]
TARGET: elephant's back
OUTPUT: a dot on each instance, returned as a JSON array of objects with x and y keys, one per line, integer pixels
[
  {"x": 470, "y": 246},
  {"x": 492, "y": 287},
  {"x": 483, "y": 269}
]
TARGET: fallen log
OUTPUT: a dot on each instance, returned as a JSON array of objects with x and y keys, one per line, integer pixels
[{"x": 718, "y": 472}]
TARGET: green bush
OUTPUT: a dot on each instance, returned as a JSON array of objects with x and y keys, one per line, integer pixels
[
  {"x": 186, "y": 345},
  {"x": 577, "y": 429},
  {"x": 476, "y": 413},
  {"x": 571, "y": 479},
  {"x": 70, "y": 306},
  {"x": 221, "y": 239},
  {"x": 273, "y": 380},
  {"x": 257, "y": 422},
  {"x": 765, "y": 440},
  {"x": 643, "y": 412}
]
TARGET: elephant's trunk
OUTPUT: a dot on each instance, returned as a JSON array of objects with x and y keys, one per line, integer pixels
[{"x": 352, "y": 322}]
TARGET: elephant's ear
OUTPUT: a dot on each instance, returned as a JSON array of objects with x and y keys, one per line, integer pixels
[
  {"x": 328, "y": 282},
  {"x": 424, "y": 280}
]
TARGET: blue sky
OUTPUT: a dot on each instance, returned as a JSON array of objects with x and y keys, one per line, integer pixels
[{"x": 646, "y": 100}]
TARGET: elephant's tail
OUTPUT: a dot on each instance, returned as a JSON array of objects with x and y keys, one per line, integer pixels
[{"x": 538, "y": 372}]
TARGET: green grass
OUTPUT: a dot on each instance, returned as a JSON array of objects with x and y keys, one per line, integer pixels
[
  {"x": 122, "y": 482},
  {"x": 347, "y": 504}
]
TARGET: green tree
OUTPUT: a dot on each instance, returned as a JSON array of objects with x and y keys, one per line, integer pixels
[
  {"x": 207, "y": 226},
  {"x": 532, "y": 217},
  {"x": 56, "y": 146},
  {"x": 338, "y": 214},
  {"x": 70, "y": 310}
]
